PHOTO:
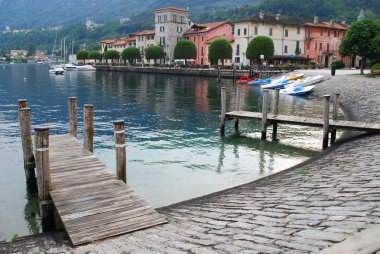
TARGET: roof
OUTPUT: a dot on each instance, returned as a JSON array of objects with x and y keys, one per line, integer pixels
[
  {"x": 229, "y": 38},
  {"x": 108, "y": 41},
  {"x": 327, "y": 25},
  {"x": 123, "y": 41},
  {"x": 145, "y": 32},
  {"x": 202, "y": 28},
  {"x": 171, "y": 8},
  {"x": 278, "y": 18}
]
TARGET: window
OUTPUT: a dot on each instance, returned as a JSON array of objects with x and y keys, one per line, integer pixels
[
  {"x": 179, "y": 29},
  {"x": 238, "y": 49},
  {"x": 270, "y": 31},
  {"x": 298, "y": 49},
  {"x": 165, "y": 17},
  {"x": 202, "y": 53},
  {"x": 336, "y": 33},
  {"x": 328, "y": 32},
  {"x": 316, "y": 46},
  {"x": 202, "y": 37},
  {"x": 159, "y": 18},
  {"x": 245, "y": 31},
  {"x": 256, "y": 30},
  {"x": 238, "y": 32},
  {"x": 321, "y": 31},
  {"x": 320, "y": 46},
  {"x": 237, "y": 59},
  {"x": 162, "y": 40},
  {"x": 285, "y": 49},
  {"x": 298, "y": 30},
  {"x": 194, "y": 37},
  {"x": 286, "y": 32},
  {"x": 328, "y": 47},
  {"x": 162, "y": 29},
  {"x": 174, "y": 18}
]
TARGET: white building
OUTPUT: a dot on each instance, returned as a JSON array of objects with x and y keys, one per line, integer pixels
[
  {"x": 170, "y": 25},
  {"x": 144, "y": 40},
  {"x": 287, "y": 33}
]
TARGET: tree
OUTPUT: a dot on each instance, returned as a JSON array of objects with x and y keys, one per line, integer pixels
[
  {"x": 155, "y": 52},
  {"x": 219, "y": 49},
  {"x": 260, "y": 45},
  {"x": 131, "y": 54},
  {"x": 95, "y": 55},
  {"x": 31, "y": 49},
  {"x": 185, "y": 49},
  {"x": 361, "y": 40},
  {"x": 112, "y": 54},
  {"x": 82, "y": 55}
]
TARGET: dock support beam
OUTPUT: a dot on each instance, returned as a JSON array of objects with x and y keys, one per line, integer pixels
[
  {"x": 223, "y": 111},
  {"x": 121, "y": 155},
  {"x": 275, "y": 112},
  {"x": 88, "y": 111},
  {"x": 264, "y": 114},
  {"x": 73, "y": 116},
  {"x": 326, "y": 116},
  {"x": 41, "y": 140},
  {"x": 237, "y": 107},
  {"x": 27, "y": 145},
  {"x": 334, "y": 117}
]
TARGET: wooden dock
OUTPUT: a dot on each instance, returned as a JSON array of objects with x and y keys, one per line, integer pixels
[
  {"x": 90, "y": 200},
  {"x": 267, "y": 119}
]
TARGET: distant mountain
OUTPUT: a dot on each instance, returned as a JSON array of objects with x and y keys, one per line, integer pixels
[{"x": 45, "y": 13}]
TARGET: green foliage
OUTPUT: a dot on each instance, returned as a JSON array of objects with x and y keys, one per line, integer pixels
[
  {"x": 185, "y": 49},
  {"x": 112, "y": 54},
  {"x": 337, "y": 65},
  {"x": 260, "y": 45},
  {"x": 82, "y": 55},
  {"x": 95, "y": 55},
  {"x": 31, "y": 49},
  {"x": 375, "y": 67},
  {"x": 130, "y": 54},
  {"x": 154, "y": 52},
  {"x": 219, "y": 49}
]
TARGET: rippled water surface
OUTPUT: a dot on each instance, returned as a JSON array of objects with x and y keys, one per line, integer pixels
[{"x": 174, "y": 151}]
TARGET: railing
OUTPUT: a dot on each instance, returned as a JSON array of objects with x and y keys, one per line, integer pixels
[{"x": 330, "y": 52}]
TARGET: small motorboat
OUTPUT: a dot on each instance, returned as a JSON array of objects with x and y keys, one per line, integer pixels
[
  {"x": 260, "y": 81},
  {"x": 57, "y": 71},
  {"x": 294, "y": 76},
  {"x": 298, "y": 90},
  {"x": 276, "y": 83},
  {"x": 311, "y": 80},
  {"x": 243, "y": 80}
]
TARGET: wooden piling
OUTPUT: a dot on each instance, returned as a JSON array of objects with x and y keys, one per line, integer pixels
[
  {"x": 326, "y": 116},
  {"x": 264, "y": 114},
  {"x": 41, "y": 143},
  {"x": 223, "y": 111},
  {"x": 121, "y": 156},
  {"x": 237, "y": 107},
  {"x": 334, "y": 117},
  {"x": 275, "y": 112},
  {"x": 218, "y": 77},
  {"x": 234, "y": 74},
  {"x": 73, "y": 117},
  {"x": 88, "y": 111},
  {"x": 27, "y": 145}
]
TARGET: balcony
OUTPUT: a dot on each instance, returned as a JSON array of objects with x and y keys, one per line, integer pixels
[{"x": 330, "y": 52}]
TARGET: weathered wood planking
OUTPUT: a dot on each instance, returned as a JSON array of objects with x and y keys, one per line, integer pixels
[
  {"x": 92, "y": 204},
  {"x": 307, "y": 121}
]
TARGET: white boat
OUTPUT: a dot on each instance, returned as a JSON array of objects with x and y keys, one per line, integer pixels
[
  {"x": 77, "y": 67},
  {"x": 298, "y": 90},
  {"x": 57, "y": 70},
  {"x": 276, "y": 83},
  {"x": 311, "y": 80}
]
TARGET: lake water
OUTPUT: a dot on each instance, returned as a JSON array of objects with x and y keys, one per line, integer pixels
[{"x": 174, "y": 151}]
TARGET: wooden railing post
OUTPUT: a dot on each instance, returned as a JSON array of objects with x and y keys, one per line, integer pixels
[
  {"x": 121, "y": 155},
  {"x": 27, "y": 145},
  {"x": 264, "y": 114},
  {"x": 88, "y": 111},
  {"x": 237, "y": 107},
  {"x": 275, "y": 112},
  {"x": 41, "y": 143},
  {"x": 223, "y": 112},
  {"x": 73, "y": 117},
  {"x": 335, "y": 117},
  {"x": 326, "y": 116}
]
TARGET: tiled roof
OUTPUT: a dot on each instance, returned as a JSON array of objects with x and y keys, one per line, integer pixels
[
  {"x": 327, "y": 25},
  {"x": 229, "y": 38},
  {"x": 273, "y": 19},
  {"x": 145, "y": 32},
  {"x": 170, "y": 8},
  {"x": 123, "y": 41},
  {"x": 202, "y": 28},
  {"x": 108, "y": 41}
]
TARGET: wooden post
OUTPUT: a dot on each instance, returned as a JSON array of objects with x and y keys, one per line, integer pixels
[
  {"x": 264, "y": 114},
  {"x": 237, "y": 107},
  {"x": 41, "y": 143},
  {"x": 27, "y": 145},
  {"x": 234, "y": 74},
  {"x": 121, "y": 157},
  {"x": 223, "y": 112},
  {"x": 275, "y": 112},
  {"x": 218, "y": 77},
  {"x": 73, "y": 117},
  {"x": 88, "y": 111},
  {"x": 326, "y": 117},
  {"x": 335, "y": 117}
]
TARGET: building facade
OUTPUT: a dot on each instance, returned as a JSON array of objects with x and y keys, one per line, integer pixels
[
  {"x": 124, "y": 43},
  {"x": 203, "y": 34},
  {"x": 287, "y": 33},
  {"x": 144, "y": 40},
  {"x": 170, "y": 25},
  {"x": 322, "y": 41}
]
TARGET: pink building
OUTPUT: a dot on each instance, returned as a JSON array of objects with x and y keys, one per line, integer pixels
[{"x": 203, "y": 34}]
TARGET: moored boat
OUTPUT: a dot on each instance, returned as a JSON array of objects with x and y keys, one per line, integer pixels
[
  {"x": 298, "y": 90},
  {"x": 243, "y": 80}
]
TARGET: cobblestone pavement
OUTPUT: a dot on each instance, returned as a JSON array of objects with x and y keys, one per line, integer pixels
[{"x": 301, "y": 210}]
